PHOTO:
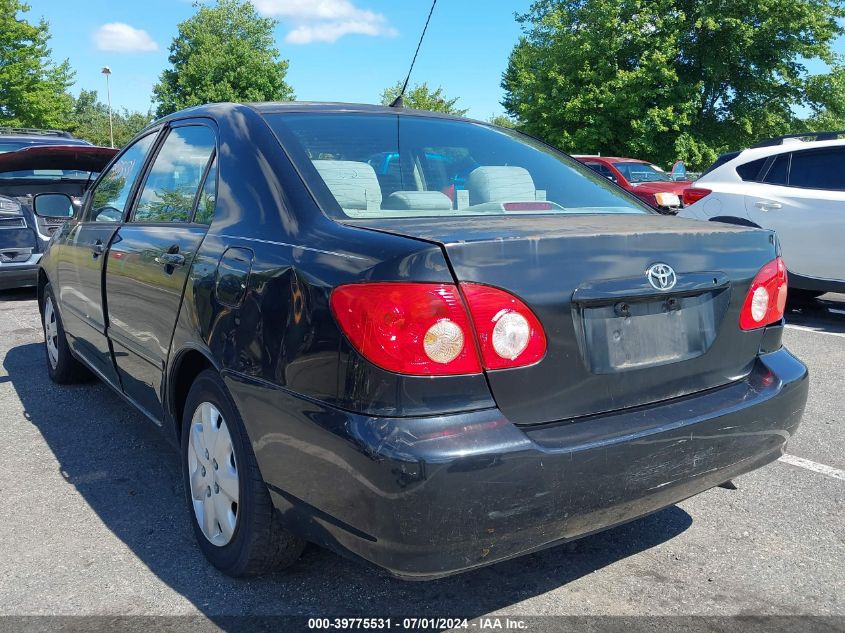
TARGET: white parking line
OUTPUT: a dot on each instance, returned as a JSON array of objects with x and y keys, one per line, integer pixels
[
  {"x": 814, "y": 466},
  {"x": 810, "y": 329}
]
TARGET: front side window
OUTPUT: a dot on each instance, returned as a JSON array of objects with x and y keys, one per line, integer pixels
[
  {"x": 387, "y": 166},
  {"x": 818, "y": 169},
  {"x": 171, "y": 187},
  {"x": 110, "y": 196}
]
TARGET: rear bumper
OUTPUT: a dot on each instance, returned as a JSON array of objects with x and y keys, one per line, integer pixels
[
  {"x": 430, "y": 497},
  {"x": 19, "y": 274},
  {"x": 812, "y": 284}
]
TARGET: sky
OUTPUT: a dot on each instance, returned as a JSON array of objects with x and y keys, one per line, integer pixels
[{"x": 339, "y": 50}]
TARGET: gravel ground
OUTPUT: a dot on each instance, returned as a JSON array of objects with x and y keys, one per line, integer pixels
[{"x": 95, "y": 521}]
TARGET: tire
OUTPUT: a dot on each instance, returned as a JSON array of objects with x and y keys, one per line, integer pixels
[
  {"x": 235, "y": 524},
  {"x": 62, "y": 367}
]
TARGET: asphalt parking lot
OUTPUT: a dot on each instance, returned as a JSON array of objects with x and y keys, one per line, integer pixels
[{"x": 95, "y": 520}]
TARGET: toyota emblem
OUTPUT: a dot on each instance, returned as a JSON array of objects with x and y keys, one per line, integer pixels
[{"x": 661, "y": 276}]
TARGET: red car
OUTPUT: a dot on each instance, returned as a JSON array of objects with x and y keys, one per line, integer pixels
[{"x": 649, "y": 183}]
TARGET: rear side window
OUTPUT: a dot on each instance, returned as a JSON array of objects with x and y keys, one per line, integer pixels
[
  {"x": 176, "y": 174},
  {"x": 388, "y": 166},
  {"x": 724, "y": 158},
  {"x": 208, "y": 196},
  {"x": 751, "y": 171},
  {"x": 818, "y": 169},
  {"x": 604, "y": 170},
  {"x": 111, "y": 194},
  {"x": 778, "y": 171}
]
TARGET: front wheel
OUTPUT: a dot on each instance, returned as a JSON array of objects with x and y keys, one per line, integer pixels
[
  {"x": 235, "y": 523},
  {"x": 62, "y": 367}
]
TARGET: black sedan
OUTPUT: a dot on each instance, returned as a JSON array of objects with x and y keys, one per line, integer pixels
[{"x": 471, "y": 351}]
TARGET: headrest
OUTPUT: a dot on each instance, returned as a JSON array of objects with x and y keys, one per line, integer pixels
[
  {"x": 353, "y": 184},
  {"x": 421, "y": 200},
  {"x": 500, "y": 184}
]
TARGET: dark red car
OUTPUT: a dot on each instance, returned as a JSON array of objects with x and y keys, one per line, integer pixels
[{"x": 649, "y": 183}]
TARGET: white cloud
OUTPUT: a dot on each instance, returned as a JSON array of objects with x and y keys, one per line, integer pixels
[
  {"x": 325, "y": 20},
  {"x": 122, "y": 38}
]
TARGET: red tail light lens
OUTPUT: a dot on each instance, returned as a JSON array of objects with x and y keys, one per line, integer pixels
[
  {"x": 694, "y": 194},
  {"x": 408, "y": 328},
  {"x": 766, "y": 300},
  {"x": 509, "y": 334},
  {"x": 423, "y": 329}
]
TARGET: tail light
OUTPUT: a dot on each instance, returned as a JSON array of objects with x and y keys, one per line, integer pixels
[
  {"x": 424, "y": 329},
  {"x": 527, "y": 206},
  {"x": 667, "y": 199},
  {"x": 766, "y": 300},
  {"x": 408, "y": 328},
  {"x": 694, "y": 194},
  {"x": 509, "y": 334}
]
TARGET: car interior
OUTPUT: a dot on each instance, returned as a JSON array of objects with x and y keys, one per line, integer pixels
[{"x": 422, "y": 167}]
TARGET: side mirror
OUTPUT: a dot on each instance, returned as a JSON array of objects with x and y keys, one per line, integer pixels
[
  {"x": 612, "y": 178},
  {"x": 56, "y": 206}
]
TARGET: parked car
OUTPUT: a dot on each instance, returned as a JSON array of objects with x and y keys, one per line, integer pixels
[
  {"x": 648, "y": 182},
  {"x": 794, "y": 187},
  {"x": 30, "y": 164},
  {"x": 427, "y": 384}
]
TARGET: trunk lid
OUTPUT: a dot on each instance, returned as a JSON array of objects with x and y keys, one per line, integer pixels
[
  {"x": 57, "y": 157},
  {"x": 676, "y": 187},
  {"x": 614, "y": 341}
]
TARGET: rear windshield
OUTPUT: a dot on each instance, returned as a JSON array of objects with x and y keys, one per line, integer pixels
[
  {"x": 12, "y": 146},
  {"x": 391, "y": 166},
  {"x": 49, "y": 174}
]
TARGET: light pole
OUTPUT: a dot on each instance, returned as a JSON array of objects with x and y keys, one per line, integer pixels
[{"x": 107, "y": 71}]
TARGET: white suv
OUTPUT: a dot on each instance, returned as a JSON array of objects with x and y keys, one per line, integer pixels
[{"x": 792, "y": 186}]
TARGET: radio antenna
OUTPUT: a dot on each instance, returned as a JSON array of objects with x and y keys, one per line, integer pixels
[{"x": 399, "y": 102}]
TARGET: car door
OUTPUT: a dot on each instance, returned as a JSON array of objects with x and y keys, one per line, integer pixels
[
  {"x": 802, "y": 197},
  {"x": 81, "y": 256},
  {"x": 150, "y": 257}
]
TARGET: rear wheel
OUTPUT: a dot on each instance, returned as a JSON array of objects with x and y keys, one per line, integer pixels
[
  {"x": 62, "y": 367},
  {"x": 235, "y": 523}
]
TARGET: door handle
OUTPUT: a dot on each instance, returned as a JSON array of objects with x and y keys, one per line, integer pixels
[
  {"x": 765, "y": 205},
  {"x": 98, "y": 249},
  {"x": 171, "y": 259}
]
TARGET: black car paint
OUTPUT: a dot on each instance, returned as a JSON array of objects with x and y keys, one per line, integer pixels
[
  {"x": 580, "y": 247},
  {"x": 422, "y": 476}
]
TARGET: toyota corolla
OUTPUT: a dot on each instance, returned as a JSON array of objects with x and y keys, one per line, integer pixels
[{"x": 425, "y": 377}]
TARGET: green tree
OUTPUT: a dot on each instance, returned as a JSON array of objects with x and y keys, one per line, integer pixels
[
  {"x": 502, "y": 120},
  {"x": 667, "y": 79},
  {"x": 421, "y": 97},
  {"x": 89, "y": 119},
  {"x": 225, "y": 52},
  {"x": 828, "y": 95},
  {"x": 33, "y": 88}
]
